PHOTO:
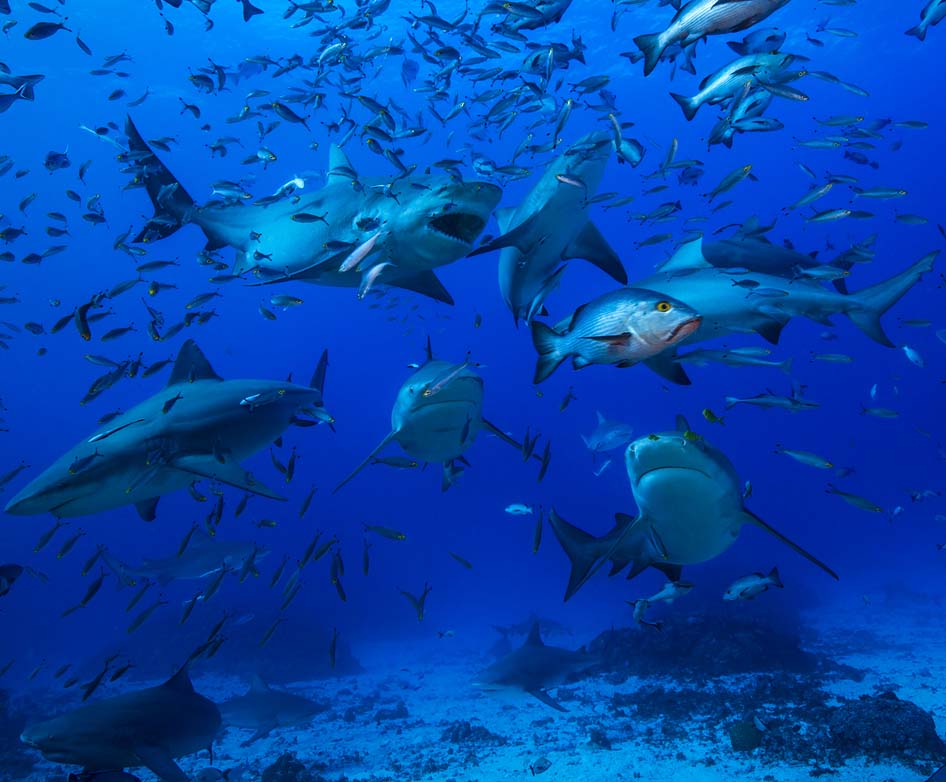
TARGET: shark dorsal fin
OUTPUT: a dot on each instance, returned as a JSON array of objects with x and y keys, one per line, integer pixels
[
  {"x": 601, "y": 419},
  {"x": 535, "y": 638},
  {"x": 191, "y": 365},
  {"x": 339, "y": 166},
  {"x": 180, "y": 681},
  {"x": 257, "y": 684},
  {"x": 682, "y": 425}
]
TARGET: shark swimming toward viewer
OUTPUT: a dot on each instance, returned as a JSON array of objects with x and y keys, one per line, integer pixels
[
  {"x": 436, "y": 416},
  {"x": 691, "y": 510},
  {"x": 354, "y": 232},
  {"x": 147, "y": 728},
  {"x": 198, "y": 426}
]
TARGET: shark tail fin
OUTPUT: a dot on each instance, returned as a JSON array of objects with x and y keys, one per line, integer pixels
[
  {"x": 366, "y": 461},
  {"x": 871, "y": 303},
  {"x": 548, "y": 343},
  {"x": 689, "y": 106},
  {"x": 652, "y": 48},
  {"x": 172, "y": 204},
  {"x": 582, "y": 549}
]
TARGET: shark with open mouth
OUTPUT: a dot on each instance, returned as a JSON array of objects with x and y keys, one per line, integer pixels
[{"x": 354, "y": 232}]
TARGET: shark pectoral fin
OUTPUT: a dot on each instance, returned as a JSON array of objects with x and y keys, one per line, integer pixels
[
  {"x": 751, "y": 518},
  {"x": 582, "y": 549},
  {"x": 158, "y": 760},
  {"x": 261, "y": 733},
  {"x": 426, "y": 283},
  {"x": 547, "y": 699},
  {"x": 339, "y": 167},
  {"x": 687, "y": 256},
  {"x": 502, "y": 435},
  {"x": 770, "y": 331},
  {"x": 148, "y": 509},
  {"x": 672, "y": 572},
  {"x": 230, "y": 473},
  {"x": 367, "y": 459},
  {"x": 522, "y": 237},
  {"x": 593, "y": 247},
  {"x": 665, "y": 365}
]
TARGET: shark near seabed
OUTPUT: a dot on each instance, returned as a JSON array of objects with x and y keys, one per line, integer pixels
[
  {"x": 199, "y": 426},
  {"x": 436, "y": 416},
  {"x": 691, "y": 510},
  {"x": 149, "y": 728},
  {"x": 263, "y": 709},
  {"x": 353, "y": 232},
  {"x": 534, "y": 667}
]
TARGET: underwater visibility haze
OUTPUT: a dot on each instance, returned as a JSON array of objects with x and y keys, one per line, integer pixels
[{"x": 471, "y": 390}]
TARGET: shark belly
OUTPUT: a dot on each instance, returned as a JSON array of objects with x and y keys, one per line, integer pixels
[
  {"x": 441, "y": 432},
  {"x": 692, "y": 516}
]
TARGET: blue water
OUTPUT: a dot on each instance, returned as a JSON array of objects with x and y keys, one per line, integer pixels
[{"x": 370, "y": 348}]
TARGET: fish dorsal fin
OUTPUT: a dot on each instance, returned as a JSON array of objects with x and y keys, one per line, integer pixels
[
  {"x": 338, "y": 163},
  {"x": 593, "y": 247},
  {"x": 681, "y": 422},
  {"x": 535, "y": 638},
  {"x": 257, "y": 684},
  {"x": 180, "y": 681},
  {"x": 688, "y": 256},
  {"x": 191, "y": 364}
]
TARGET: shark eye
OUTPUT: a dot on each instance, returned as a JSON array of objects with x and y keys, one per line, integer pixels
[{"x": 664, "y": 306}]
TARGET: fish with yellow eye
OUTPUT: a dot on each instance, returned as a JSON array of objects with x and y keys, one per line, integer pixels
[{"x": 622, "y": 328}]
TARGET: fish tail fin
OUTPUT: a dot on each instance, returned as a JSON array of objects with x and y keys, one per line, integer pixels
[
  {"x": 786, "y": 365},
  {"x": 731, "y": 402},
  {"x": 547, "y": 342},
  {"x": 172, "y": 204},
  {"x": 652, "y": 47},
  {"x": 583, "y": 551},
  {"x": 868, "y": 305},
  {"x": 917, "y": 32},
  {"x": 775, "y": 578},
  {"x": 688, "y": 105},
  {"x": 250, "y": 10}
]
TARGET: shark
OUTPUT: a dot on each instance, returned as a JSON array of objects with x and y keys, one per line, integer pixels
[
  {"x": 147, "y": 728},
  {"x": 533, "y": 668},
  {"x": 353, "y": 232},
  {"x": 204, "y": 556},
  {"x": 763, "y": 297},
  {"x": 691, "y": 510},
  {"x": 437, "y": 415},
  {"x": 263, "y": 709},
  {"x": 551, "y": 226},
  {"x": 198, "y": 426},
  {"x": 608, "y": 435}
]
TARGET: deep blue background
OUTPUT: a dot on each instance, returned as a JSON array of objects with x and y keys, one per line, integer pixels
[{"x": 370, "y": 348}]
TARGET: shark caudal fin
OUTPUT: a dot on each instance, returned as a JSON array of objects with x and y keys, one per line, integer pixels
[
  {"x": 250, "y": 10},
  {"x": 172, "y": 204},
  {"x": 548, "y": 343},
  {"x": 867, "y": 306},
  {"x": 751, "y": 518},
  {"x": 582, "y": 549},
  {"x": 652, "y": 48}
]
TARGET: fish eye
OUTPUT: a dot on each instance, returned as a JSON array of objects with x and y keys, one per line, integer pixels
[{"x": 664, "y": 306}]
